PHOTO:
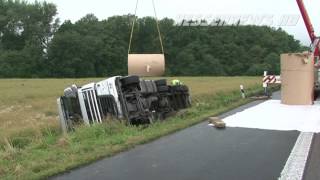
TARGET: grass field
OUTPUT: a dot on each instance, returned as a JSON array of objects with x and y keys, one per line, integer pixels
[
  {"x": 31, "y": 104},
  {"x": 32, "y": 147}
]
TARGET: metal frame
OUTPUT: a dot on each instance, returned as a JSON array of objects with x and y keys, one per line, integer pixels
[
  {"x": 88, "y": 94},
  {"x": 62, "y": 116}
]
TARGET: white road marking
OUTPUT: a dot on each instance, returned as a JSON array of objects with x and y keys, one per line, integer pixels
[{"x": 296, "y": 163}]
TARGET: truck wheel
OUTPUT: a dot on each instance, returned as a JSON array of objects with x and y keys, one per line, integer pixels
[
  {"x": 184, "y": 88},
  {"x": 130, "y": 80},
  {"x": 163, "y": 89},
  {"x": 161, "y": 82},
  {"x": 175, "y": 88}
]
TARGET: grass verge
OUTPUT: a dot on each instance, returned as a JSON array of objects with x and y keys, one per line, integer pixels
[
  {"x": 49, "y": 153},
  {"x": 30, "y": 104}
]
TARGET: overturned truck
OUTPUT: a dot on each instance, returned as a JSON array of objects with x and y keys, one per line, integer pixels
[{"x": 128, "y": 98}]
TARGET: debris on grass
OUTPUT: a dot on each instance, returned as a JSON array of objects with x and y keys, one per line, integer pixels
[
  {"x": 18, "y": 169},
  {"x": 7, "y": 110},
  {"x": 260, "y": 97},
  {"x": 8, "y": 146},
  {"x": 2, "y": 172},
  {"x": 63, "y": 142}
]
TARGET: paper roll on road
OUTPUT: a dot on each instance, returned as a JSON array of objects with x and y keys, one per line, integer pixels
[{"x": 297, "y": 78}]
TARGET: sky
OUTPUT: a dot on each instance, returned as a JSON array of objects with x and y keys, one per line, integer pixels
[{"x": 271, "y": 11}]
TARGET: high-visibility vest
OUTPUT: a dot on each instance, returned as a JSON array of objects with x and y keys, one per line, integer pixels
[{"x": 176, "y": 82}]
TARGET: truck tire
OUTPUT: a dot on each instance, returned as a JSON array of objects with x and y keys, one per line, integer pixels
[
  {"x": 148, "y": 87},
  {"x": 161, "y": 82},
  {"x": 163, "y": 89},
  {"x": 175, "y": 88},
  {"x": 184, "y": 88},
  {"x": 130, "y": 80}
]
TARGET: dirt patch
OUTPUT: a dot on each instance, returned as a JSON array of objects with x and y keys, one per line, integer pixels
[
  {"x": 63, "y": 142},
  {"x": 18, "y": 169},
  {"x": 7, "y": 110},
  {"x": 2, "y": 172},
  {"x": 134, "y": 140},
  {"x": 10, "y": 109},
  {"x": 28, "y": 107}
]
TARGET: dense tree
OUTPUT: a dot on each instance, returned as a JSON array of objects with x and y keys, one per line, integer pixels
[
  {"x": 33, "y": 45},
  {"x": 25, "y": 33}
]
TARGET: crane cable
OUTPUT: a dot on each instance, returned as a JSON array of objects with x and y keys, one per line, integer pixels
[
  {"x": 158, "y": 27},
  {"x": 157, "y": 23},
  {"x": 133, "y": 23}
]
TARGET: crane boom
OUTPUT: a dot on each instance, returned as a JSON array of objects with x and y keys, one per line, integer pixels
[
  {"x": 306, "y": 20},
  {"x": 314, "y": 39}
]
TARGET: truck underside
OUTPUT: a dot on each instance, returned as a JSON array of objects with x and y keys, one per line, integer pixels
[{"x": 134, "y": 100}]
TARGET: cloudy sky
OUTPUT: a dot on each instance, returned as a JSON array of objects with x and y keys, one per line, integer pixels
[{"x": 272, "y": 11}]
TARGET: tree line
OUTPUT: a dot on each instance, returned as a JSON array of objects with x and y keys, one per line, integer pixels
[{"x": 33, "y": 43}]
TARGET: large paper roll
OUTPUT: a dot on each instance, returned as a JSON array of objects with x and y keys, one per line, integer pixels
[
  {"x": 297, "y": 79},
  {"x": 146, "y": 64}
]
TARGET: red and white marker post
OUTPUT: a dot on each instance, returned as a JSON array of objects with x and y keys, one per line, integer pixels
[{"x": 269, "y": 79}]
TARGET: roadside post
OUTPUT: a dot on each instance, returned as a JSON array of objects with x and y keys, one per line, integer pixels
[
  {"x": 264, "y": 84},
  {"x": 242, "y": 92}
]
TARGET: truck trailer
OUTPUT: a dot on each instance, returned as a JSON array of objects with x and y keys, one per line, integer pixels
[{"x": 129, "y": 98}]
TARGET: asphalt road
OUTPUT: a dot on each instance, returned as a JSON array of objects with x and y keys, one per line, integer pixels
[
  {"x": 312, "y": 170},
  {"x": 199, "y": 152}
]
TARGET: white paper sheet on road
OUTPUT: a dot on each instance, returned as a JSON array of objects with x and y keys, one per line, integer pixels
[{"x": 273, "y": 115}]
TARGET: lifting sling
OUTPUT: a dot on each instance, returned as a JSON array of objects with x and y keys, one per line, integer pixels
[{"x": 146, "y": 64}]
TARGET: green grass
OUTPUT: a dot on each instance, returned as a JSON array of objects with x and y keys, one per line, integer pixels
[
  {"x": 30, "y": 104},
  {"x": 42, "y": 151}
]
